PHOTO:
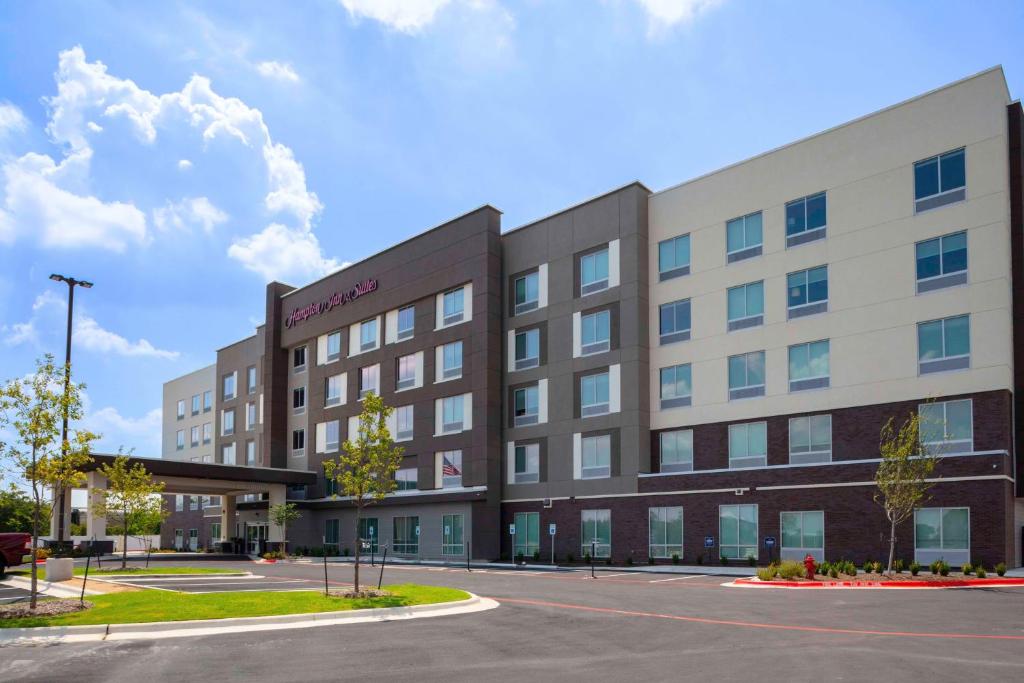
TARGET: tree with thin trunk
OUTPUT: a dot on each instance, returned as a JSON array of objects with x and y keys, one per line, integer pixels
[
  {"x": 132, "y": 495},
  {"x": 34, "y": 406},
  {"x": 282, "y": 515},
  {"x": 365, "y": 467},
  {"x": 902, "y": 476}
]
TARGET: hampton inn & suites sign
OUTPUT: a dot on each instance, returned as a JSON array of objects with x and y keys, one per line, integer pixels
[{"x": 303, "y": 313}]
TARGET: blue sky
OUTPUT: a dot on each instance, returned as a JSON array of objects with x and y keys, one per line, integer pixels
[{"x": 181, "y": 155}]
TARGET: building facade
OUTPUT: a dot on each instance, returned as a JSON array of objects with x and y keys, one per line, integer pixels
[{"x": 700, "y": 372}]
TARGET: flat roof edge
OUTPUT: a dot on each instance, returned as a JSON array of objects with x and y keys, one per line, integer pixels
[{"x": 577, "y": 205}]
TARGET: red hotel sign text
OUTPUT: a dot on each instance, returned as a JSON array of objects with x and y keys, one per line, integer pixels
[{"x": 300, "y": 314}]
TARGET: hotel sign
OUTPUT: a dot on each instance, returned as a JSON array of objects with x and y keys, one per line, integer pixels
[{"x": 302, "y": 313}]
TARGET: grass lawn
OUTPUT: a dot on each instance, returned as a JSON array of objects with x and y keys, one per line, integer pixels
[
  {"x": 132, "y": 570},
  {"x": 149, "y": 605}
]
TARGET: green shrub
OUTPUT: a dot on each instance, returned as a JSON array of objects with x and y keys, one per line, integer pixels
[
  {"x": 943, "y": 568},
  {"x": 274, "y": 555},
  {"x": 520, "y": 558},
  {"x": 833, "y": 572},
  {"x": 822, "y": 568},
  {"x": 650, "y": 560},
  {"x": 898, "y": 566},
  {"x": 966, "y": 569},
  {"x": 878, "y": 567},
  {"x": 791, "y": 569},
  {"x": 868, "y": 566},
  {"x": 914, "y": 568},
  {"x": 1001, "y": 568},
  {"x": 934, "y": 567},
  {"x": 751, "y": 561},
  {"x": 536, "y": 555},
  {"x": 675, "y": 558},
  {"x": 980, "y": 572},
  {"x": 767, "y": 573},
  {"x": 586, "y": 557},
  {"x": 723, "y": 559}
]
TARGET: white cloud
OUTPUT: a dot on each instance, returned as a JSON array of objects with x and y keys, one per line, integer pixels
[
  {"x": 189, "y": 212},
  {"x": 19, "y": 333},
  {"x": 184, "y": 164},
  {"x": 6, "y": 228},
  {"x": 117, "y": 430},
  {"x": 11, "y": 119},
  {"x": 282, "y": 253},
  {"x": 278, "y": 71},
  {"x": 407, "y": 16},
  {"x": 664, "y": 14}
]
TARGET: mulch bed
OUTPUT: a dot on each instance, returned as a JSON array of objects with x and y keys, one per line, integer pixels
[
  {"x": 44, "y": 608},
  {"x": 371, "y": 593}
]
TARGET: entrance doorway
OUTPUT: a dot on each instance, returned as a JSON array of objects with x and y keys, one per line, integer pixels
[
  {"x": 255, "y": 534},
  {"x": 193, "y": 539},
  {"x": 179, "y": 535}
]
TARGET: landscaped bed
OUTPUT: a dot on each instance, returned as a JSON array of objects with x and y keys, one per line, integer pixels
[
  {"x": 843, "y": 574},
  {"x": 157, "y": 606}
]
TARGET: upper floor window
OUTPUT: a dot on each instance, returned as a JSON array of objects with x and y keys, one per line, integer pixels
[
  {"x": 229, "y": 386},
  {"x": 947, "y": 426},
  {"x": 250, "y": 375},
  {"x": 207, "y": 432},
  {"x": 594, "y": 272},
  {"x": 944, "y": 344},
  {"x": 368, "y": 335},
  {"x": 743, "y": 237},
  {"x": 195, "y": 404},
  {"x": 676, "y": 388},
  {"x": 179, "y": 441},
  {"x": 454, "y": 306},
  {"x": 940, "y": 180},
  {"x": 805, "y": 219},
  {"x": 333, "y": 346},
  {"x": 406, "y": 376},
  {"x": 808, "y": 365},
  {"x": 299, "y": 400},
  {"x": 748, "y": 445},
  {"x": 527, "y": 351},
  {"x": 746, "y": 375},
  {"x": 810, "y": 439},
  {"x": 227, "y": 454},
  {"x": 332, "y": 436},
  {"x": 369, "y": 380},
  {"x": 194, "y": 433},
  {"x": 333, "y": 388},
  {"x": 403, "y": 423},
  {"x": 596, "y": 457},
  {"x": 452, "y": 414},
  {"x": 595, "y": 332},
  {"x": 250, "y": 453},
  {"x": 746, "y": 306},
  {"x": 676, "y": 450},
  {"x": 451, "y": 469},
  {"x": 526, "y": 468},
  {"x": 250, "y": 416},
  {"x": 181, "y": 409},
  {"x": 298, "y": 441},
  {"x": 405, "y": 479},
  {"x": 674, "y": 321},
  {"x": 527, "y": 293},
  {"x": 227, "y": 423},
  {"x": 673, "y": 257},
  {"x": 941, "y": 262},
  {"x": 594, "y": 395},
  {"x": 299, "y": 358},
  {"x": 526, "y": 406},
  {"x": 207, "y": 401},
  {"x": 807, "y": 292},
  {"x": 406, "y": 322},
  {"x": 451, "y": 360}
]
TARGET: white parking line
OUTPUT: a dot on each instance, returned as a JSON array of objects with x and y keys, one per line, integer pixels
[
  {"x": 233, "y": 583},
  {"x": 172, "y": 579},
  {"x": 679, "y": 578},
  {"x": 608, "y": 576}
]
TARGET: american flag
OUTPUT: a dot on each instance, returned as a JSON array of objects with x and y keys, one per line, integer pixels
[{"x": 449, "y": 469}]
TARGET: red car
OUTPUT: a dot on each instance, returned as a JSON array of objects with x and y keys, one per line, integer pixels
[{"x": 13, "y": 548}]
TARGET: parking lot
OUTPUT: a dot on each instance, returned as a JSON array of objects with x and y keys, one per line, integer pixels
[
  {"x": 213, "y": 583},
  {"x": 9, "y": 594}
]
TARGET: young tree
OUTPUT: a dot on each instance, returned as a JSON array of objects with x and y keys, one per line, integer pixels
[
  {"x": 282, "y": 515},
  {"x": 366, "y": 466},
  {"x": 132, "y": 496},
  {"x": 35, "y": 406},
  {"x": 902, "y": 476}
]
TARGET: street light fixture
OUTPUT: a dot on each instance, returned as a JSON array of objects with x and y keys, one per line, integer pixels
[{"x": 71, "y": 283}]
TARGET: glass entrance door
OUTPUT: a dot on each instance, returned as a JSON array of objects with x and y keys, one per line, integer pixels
[{"x": 254, "y": 533}]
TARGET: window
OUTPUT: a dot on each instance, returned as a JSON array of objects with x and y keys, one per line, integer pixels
[
  {"x": 944, "y": 344},
  {"x": 942, "y": 533},
  {"x": 665, "y": 529},
  {"x": 743, "y": 237},
  {"x": 940, "y": 180},
  {"x": 596, "y": 457},
  {"x": 180, "y": 439},
  {"x": 808, "y": 365},
  {"x": 229, "y": 388},
  {"x": 947, "y": 426},
  {"x": 332, "y": 532},
  {"x": 179, "y": 503},
  {"x": 406, "y": 479},
  {"x": 807, "y": 292},
  {"x": 746, "y": 375},
  {"x": 595, "y": 332},
  {"x": 330, "y": 486},
  {"x": 748, "y": 445},
  {"x": 805, "y": 219},
  {"x": 207, "y": 401},
  {"x": 403, "y": 423},
  {"x": 737, "y": 529},
  {"x": 674, "y": 322},
  {"x": 676, "y": 450},
  {"x": 207, "y": 432},
  {"x": 594, "y": 272},
  {"x": 673, "y": 258},
  {"x": 527, "y": 351},
  {"x": 299, "y": 400},
  {"x": 333, "y": 347},
  {"x": 453, "y": 306},
  {"x": 594, "y": 395},
  {"x": 250, "y": 374},
  {"x": 181, "y": 409},
  {"x": 451, "y": 360},
  {"x": 299, "y": 358},
  {"x": 527, "y": 538},
  {"x": 406, "y": 538},
  {"x": 451, "y": 414},
  {"x": 803, "y": 534},
  {"x": 250, "y": 453},
  {"x": 451, "y": 535},
  {"x": 941, "y": 262},
  {"x": 250, "y": 417},
  {"x": 526, "y": 406},
  {"x": 215, "y": 531},
  {"x": 405, "y": 377},
  {"x": 810, "y": 439},
  {"x": 369, "y": 380},
  {"x": 227, "y": 422},
  {"x": 406, "y": 322},
  {"x": 195, "y": 404},
  {"x": 332, "y": 436},
  {"x": 526, "y": 296},
  {"x": 596, "y": 533},
  {"x": 368, "y": 532},
  {"x": 451, "y": 469},
  {"x": 676, "y": 388},
  {"x": 526, "y": 468},
  {"x": 298, "y": 442},
  {"x": 195, "y": 436},
  {"x": 746, "y": 306},
  {"x": 368, "y": 335},
  {"x": 227, "y": 454}
]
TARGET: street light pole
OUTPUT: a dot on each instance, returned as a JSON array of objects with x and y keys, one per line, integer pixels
[{"x": 71, "y": 283}]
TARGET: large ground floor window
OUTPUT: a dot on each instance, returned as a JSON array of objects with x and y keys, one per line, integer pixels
[
  {"x": 596, "y": 533},
  {"x": 332, "y": 532},
  {"x": 803, "y": 534},
  {"x": 942, "y": 534},
  {"x": 527, "y": 538},
  {"x": 737, "y": 528},
  {"x": 406, "y": 539},
  {"x": 452, "y": 535},
  {"x": 665, "y": 531}
]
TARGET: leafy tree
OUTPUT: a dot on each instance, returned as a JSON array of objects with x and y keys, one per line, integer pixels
[
  {"x": 16, "y": 510},
  {"x": 132, "y": 496},
  {"x": 35, "y": 406},
  {"x": 902, "y": 476},
  {"x": 366, "y": 466},
  {"x": 282, "y": 515}
]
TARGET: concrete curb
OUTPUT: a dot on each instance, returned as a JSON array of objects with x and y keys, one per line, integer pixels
[
  {"x": 703, "y": 570},
  {"x": 47, "y": 589},
  {"x": 204, "y": 627}
]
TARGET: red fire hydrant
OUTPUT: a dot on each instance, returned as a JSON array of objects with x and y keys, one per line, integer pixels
[{"x": 809, "y": 566}]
